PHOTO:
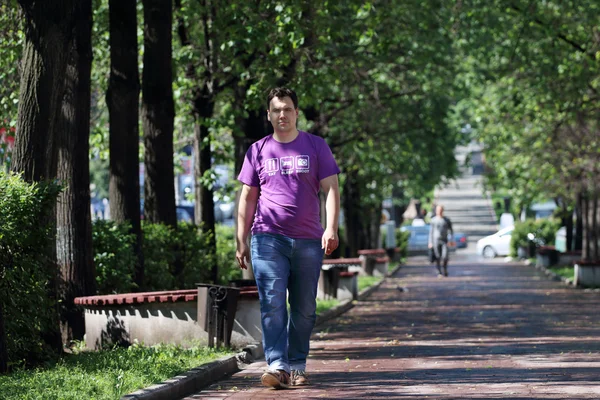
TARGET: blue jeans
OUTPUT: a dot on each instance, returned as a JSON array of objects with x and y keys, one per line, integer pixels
[{"x": 283, "y": 264}]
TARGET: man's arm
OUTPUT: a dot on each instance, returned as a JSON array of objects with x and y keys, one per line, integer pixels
[
  {"x": 330, "y": 187},
  {"x": 245, "y": 216}
]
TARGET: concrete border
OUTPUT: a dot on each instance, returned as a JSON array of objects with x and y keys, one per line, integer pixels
[
  {"x": 197, "y": 378},
  {"x": 200, "y": 377},
  {"x": 556, "y": 277},
  {"x": 348, "y": 304}
]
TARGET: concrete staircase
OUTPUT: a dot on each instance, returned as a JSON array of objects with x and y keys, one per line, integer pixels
[{"x": 464, "y": 202}]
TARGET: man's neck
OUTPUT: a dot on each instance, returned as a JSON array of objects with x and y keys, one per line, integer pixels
[{"x": 286, "y": 137}]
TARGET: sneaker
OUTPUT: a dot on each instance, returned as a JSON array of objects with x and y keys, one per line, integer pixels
[
  {"x": 299, "y": 378},
  {"x": 276, "y": 379}
]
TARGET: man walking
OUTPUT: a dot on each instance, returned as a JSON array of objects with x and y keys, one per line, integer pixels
[
  {"x": 279, "y": 204},
  {"x": 439, "y": 229}
]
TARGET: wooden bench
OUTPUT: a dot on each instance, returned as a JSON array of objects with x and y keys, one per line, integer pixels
[{"x": 338, "y": 279}]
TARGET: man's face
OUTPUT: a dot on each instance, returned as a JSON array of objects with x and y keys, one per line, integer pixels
[{"x": 282, "y": 114}]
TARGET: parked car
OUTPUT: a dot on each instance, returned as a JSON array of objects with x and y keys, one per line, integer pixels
[
  {"x": 497, "y": 244},
  {"x": 461, "y": 240},
  {"x": 418, "y": 239}
]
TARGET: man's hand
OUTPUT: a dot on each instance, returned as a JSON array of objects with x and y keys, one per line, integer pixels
[
  {"x": 242, "y": 254},
  {"x": 330, "y": 241},
  {"x": 429, "y": 245}
]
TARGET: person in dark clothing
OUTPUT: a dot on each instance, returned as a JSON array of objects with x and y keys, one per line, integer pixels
[{"x": 440, "y": 230}]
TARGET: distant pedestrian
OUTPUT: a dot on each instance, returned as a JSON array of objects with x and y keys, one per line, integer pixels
[
  {"x": 282, "y": 175},
  {"x": 440, "y": 230}
]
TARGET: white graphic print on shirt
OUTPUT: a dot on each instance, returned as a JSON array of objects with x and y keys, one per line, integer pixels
[{"x": 289, "y": 165}]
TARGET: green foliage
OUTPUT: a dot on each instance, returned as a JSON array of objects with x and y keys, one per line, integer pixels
[
  {"x": 26, "y": 265},
  {"x": 114, "y": 257},
  {"x": 567, "y": 271},
  {"x": 367, "y": 281},
  {"x": 530, "y": 73},
  {"x": 11, "y": 34},
  {"x": 226, "y": 247},
  {"x": 175, "y": 258},
  {"x": 544, "y": 229},
  {"x": 105, "y": 375},
  {"x": 402, "y": 242},
  {"x": 325, "y": 305}
]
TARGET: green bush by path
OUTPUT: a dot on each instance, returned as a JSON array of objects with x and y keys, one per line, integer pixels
[
  {"x": 402, "y": 242},
  {"x": 104, "y": 375},
  {"x": 173, "y": 259},
  {"x": 114, "y": 257},
  {"x": 228, "y": 266},
  {"x": 544, "y": 229},
  {"x": 26, "y": 266}
]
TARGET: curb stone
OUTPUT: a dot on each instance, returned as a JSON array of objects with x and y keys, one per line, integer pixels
[
  {"x": 555, "y": 277},
  {"x": 197, "y": 378},
  {"x": 348, "y": 304},
  {"x": 200, "y": 377}
]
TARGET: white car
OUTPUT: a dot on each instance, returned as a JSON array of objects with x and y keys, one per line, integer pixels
[{"x": 497, "y": 244}]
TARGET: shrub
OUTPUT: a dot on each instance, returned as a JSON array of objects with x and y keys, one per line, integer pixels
[
  {"x": 114, "y": 257},
  {"x": 175, "y": 259},
  {"x": 402, "y": 242},
  {"x": 544, "y": 230},
  {"x": 26, "y": 266},
  {"x": 228, "y": 266}
]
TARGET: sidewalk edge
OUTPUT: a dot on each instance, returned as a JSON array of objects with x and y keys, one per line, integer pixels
[
  {"x": 198, "y": 378},
  {"x": 348, "y": 304}
]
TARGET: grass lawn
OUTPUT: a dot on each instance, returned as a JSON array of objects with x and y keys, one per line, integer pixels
[
  {"x": 111, "y": 374},
  {"x": 564, "y": 271},
  {"x": 104, "y": 375},
  {"x": 367, "y": 281}
]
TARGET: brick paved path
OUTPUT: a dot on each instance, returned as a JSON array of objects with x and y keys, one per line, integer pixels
[{"x": 489, "y": 331}]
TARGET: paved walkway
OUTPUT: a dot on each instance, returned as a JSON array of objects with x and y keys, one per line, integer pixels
[{"x": 489, "y": 331}]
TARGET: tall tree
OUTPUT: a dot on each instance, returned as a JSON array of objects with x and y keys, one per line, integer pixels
[
  {"x": 74, "y": 229},
  {"x": 122, "y": 98},
  {"x": 158, "y": 113},
  {"x": 48, "y": 33}
]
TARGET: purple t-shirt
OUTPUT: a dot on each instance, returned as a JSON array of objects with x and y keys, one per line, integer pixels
[{"x": 288, "y": 175}]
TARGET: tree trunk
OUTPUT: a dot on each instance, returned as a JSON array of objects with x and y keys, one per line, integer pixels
[
  {"x": 48, "y": 32},
  {"x": 587, "y": 232},
  {"x": 591, "y": 229},
  {"x": 122, "y": 99},
  {"x": 204, "y": 206},
  {"x": 158, "y": 113},
  {"x": 352, "y": 216},
  {"x": 251, "y": 128},
  {"x": 374, "y": 225},
  {"x": 579, "y": 223},
  {"x": 568, "y": 223},
  {"x": 74, "y": 228}
]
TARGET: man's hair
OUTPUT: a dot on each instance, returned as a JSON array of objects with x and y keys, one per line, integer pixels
[{"x": 282, "y": 92}]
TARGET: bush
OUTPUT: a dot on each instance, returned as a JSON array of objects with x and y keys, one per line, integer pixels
[
  {"x": 114, "y": 257},
  {"x": 26, "y": 264},
  {"x": 544, "y": 230},
  {"x": 228, "y": 266},
  {"x": 402, "y": 242},
  {"x": 175, "y": 259}
]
